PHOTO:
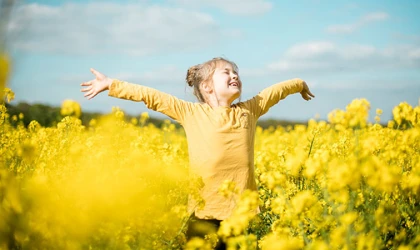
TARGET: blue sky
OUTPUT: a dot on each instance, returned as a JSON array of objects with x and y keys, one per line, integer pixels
[{"x": 342, "y": 49}]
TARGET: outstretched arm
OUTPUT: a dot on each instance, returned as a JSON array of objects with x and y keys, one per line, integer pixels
[
  {"x": 270, "y": 96},
  {"x": 154, "y": 99}
]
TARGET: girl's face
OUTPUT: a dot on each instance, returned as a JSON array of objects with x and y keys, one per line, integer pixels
[{"x": 226, "y": 83}]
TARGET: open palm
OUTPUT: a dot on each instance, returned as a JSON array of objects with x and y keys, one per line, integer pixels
[{"x": 97, "y": 85}]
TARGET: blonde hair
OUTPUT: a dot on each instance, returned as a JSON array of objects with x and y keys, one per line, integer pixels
[{"x": 200, "y": 73}]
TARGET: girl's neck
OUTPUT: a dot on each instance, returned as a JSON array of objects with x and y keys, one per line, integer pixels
[{"x": 213, "y": 102}]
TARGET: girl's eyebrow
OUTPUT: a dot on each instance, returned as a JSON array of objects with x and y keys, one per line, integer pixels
[{"x": 233, "y": 70}]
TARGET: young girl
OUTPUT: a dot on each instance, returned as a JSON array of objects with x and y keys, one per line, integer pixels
[{"x": 220, "y": 134}]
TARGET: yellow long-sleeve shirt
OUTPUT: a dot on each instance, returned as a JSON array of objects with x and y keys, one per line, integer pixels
[{"x": 220, "y": 140}]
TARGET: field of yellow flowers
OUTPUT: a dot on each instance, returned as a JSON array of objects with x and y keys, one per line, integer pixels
[{"x": 341, "y": 184}]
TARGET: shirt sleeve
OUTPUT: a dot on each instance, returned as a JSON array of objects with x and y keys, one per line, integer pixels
[
  {"x": 155, "y": 100},
  {"x": 261, "y": 103}
]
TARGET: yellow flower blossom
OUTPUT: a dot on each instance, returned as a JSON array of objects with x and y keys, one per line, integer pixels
[
  {"x": 272, "y": 242},
  {"x": 355, "y": 115},
  {"x": 71, "y": 108},
  {"x": 143, "y": 118}
]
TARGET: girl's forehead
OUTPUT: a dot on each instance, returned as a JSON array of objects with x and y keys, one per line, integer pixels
[{"x": 221, "y": 65}]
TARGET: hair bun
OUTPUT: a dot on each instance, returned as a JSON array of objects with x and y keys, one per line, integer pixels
[{"x": 191, "y": 77}]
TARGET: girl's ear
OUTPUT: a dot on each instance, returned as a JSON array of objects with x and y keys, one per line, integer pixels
[{"x": 207, "y": 87}]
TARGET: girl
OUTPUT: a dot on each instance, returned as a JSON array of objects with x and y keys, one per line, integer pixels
[{"x": 220, "y": 134}]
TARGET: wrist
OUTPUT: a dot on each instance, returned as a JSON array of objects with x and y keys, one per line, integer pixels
[
  {"x": 109, "y": 82},
  {"x": 303, "y": 85}
]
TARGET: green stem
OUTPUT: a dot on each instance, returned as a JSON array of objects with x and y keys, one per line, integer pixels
[{"x": 312, "y": 143}]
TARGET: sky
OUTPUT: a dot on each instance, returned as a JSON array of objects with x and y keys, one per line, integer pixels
[{"x": 344, "y": 50}]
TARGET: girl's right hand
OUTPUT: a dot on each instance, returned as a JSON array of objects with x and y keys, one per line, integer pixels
[
  {"x": 306, "y": 93},
  {"x": 97, "y": 85}
]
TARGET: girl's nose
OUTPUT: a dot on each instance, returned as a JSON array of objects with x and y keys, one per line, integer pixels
[{"x": 234, "y": 76}]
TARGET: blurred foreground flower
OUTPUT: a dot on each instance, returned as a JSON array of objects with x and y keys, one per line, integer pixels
[{"x": 71, "y": 108}]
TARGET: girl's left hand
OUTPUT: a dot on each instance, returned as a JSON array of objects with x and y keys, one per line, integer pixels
[{"x": 306, "y": 93}]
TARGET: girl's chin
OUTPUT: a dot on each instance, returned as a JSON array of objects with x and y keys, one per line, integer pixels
[{"x": 236, "y": 96}]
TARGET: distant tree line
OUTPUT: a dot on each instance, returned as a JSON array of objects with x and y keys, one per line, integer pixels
[{"x": 49, "y": 116}]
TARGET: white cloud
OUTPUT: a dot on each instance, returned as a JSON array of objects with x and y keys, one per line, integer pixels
[
  {"x": 363, "y": 21},
  {"x": 291, "y": 65},
  {"x": 236, "y": 7},
  {"x": 414, "y": 54},
  {"x": 326, "y": 56},
  {"x": 411, "y": 38},
  {"x": 375, "y": 16},
  {"x": 305, "y": 50},
  {"x": 96, "y": 28},
  {"x": 166, "y": 75},
  {"x": 380, "y": 83}
]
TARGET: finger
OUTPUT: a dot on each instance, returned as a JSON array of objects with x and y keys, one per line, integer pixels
[
  {"x": 88, "y": 93},
  {"x": 91, "y": 96},
  {"x": 310, "y": 93},
  {"x": 86, "y": 89},
  {"x": 96, "y": 73},
  {"x": 86, "y": 83}
]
